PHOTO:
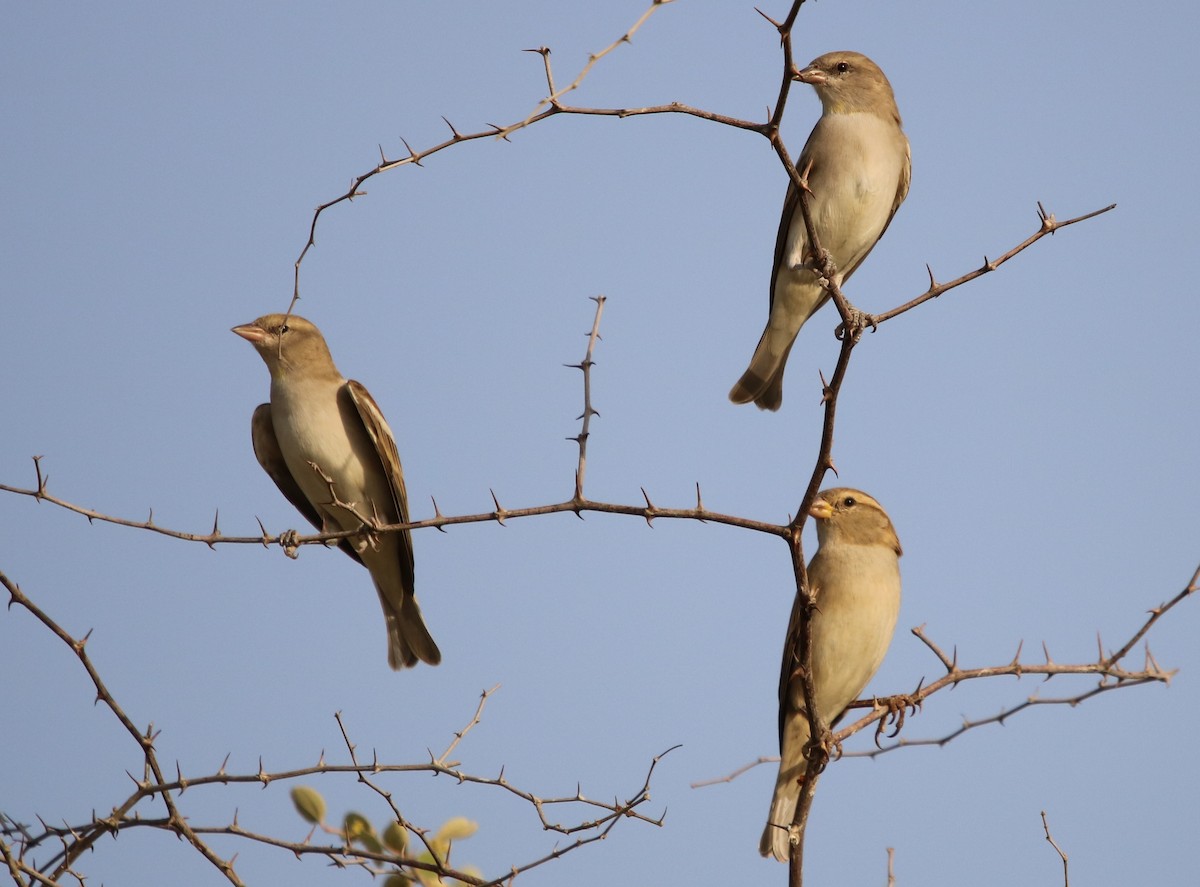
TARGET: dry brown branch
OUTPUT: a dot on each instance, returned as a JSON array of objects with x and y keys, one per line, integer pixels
[
  {"x": 1057, "y": 849},
  {"x": 76, "y": 839},
  {"x": 87, "y": 837},
  {"x": 588, "y": 411},
  {"x": 1107, "y": 667},
  {"x": 18, "y": 842}
]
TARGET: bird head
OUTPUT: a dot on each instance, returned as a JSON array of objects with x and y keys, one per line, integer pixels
[
  {"x": 286, "y": 341},
  {"x": 849, "y": 82},
  {"x": 851, "y": 517}
]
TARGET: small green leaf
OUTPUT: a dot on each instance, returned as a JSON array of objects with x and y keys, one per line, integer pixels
[
  {"x": 395, "y": 836},
  {"x": 357, "y": 828},
  {"x": 309, "y": 804},
  {"x": 456, "y": 828}
]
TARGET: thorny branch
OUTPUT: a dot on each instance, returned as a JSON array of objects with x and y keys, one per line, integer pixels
[
  {"x": 853, "y": 323},
  {"x": 19, "y": 842}
]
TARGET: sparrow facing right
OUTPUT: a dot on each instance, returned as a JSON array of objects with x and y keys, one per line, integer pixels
[
  {"x": 855, "y": 576},
  {"x": 323, "y": 440},
  {"x": 859, "y": 165}
]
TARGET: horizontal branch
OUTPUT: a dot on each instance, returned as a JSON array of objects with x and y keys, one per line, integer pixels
[{"x": 290, "y": 539}]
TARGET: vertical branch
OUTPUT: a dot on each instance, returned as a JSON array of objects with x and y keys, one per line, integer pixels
[
  {"x": 1054, "y": 844},
  {"x": 586, "y": 366}
]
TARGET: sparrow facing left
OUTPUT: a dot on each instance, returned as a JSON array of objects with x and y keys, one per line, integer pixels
[
  {"x": 855, "y": 576},
  {"x": 323, "y": 440},
  {"x": 859, "y": 165}
]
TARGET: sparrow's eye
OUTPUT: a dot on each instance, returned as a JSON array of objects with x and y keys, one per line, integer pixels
[
  {"x": 849, "y": 502},
  {"x": 284, "y": 328},
  {"x": 843, "y": 67}
]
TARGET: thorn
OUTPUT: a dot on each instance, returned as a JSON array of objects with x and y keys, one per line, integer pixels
[
  {"x": 649, "y": 507},
  {"x": 1099, "y": 648},
  {"x": 543, "y": 51},
  {"x": 826, "y": 393},
  {"x": 382, "y": 157},
  {"x": 500, "y": 133},
  {"x": 266, "y": 537},
  {"x": 1016, "y": 660},
  {"x": 150, "y": 519},
  {"x": 41, "y": 481},
  {"x": 499, "y": 512},
  {"x": 454, "y": 131},
  {"x": 804, "y": 175},
  {"x": 699, "y": 501},
  {"x": 412, "y": 155},
  {"x": 1046, "y": 650},
  {"x": 932, "y": 282},
  {"x": 437, "y": 515},
  {"x": 774, "y": 23},
  {"x": 216, "y": 530}
]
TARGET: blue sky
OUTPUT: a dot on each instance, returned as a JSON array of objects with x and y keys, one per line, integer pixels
[{"x": 1033, "y": 435}]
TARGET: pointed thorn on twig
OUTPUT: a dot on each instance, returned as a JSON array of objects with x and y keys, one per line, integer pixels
[
  {"x": 412, "y": 155},
  {"x": 1016, "y": 660},
  {"x": 650, "y": 509},
  {"x": 932, "y": 281},
  {"x": 499, "y": 512},
  {"x": 216, "y": 531},
  {"x": 437, "y": 514},
  {"x": 1046, "y": 650},
  {"x": 776, "y": 25},
  {"x": 453, "y": 131},
  {"x": 266, "y": 537}
]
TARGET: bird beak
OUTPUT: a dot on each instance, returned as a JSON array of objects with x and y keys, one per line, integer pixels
[
  {"x": 811, "y": 75},
  {"x": 250, "y": 332},
  {"x": 821, "y": 510}
]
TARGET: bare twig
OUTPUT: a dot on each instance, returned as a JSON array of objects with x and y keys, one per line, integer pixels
[
  {"x": 1057, "y": 849},
  {"x": 588, "y": 411},
  {"x": 18, "y": 841}
]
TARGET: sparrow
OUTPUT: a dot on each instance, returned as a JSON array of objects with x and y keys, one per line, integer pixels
[
  {"x": 855, "y": 576},
  {"x": 324, "y": 442},
  {"x": 858, "y": 166}
]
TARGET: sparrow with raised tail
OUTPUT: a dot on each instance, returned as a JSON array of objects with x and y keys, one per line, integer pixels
[
  {"x": 855, "y": 576},
  {"x": 859, "y": 165},
  {"x": 325, "y": 443}
]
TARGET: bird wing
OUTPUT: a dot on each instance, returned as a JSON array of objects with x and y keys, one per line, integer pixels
[
  {"x": 791, "y": 206},
  {"x": 389, "y": 460},
  {"x": 793, "y": 655},
  {"x": 901, "y": 186},
  {"x": 270, "y": 457}
]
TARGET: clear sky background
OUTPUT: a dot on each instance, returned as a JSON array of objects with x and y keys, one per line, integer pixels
[{"x": 1033, "y": 435}]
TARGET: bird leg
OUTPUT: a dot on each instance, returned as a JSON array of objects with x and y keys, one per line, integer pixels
[
  {"x": 821, "y": 748},
  {"x": 897, "y": 709},
  {"x": 290, "y": 543},
  {"x": 856, "y": 325}
]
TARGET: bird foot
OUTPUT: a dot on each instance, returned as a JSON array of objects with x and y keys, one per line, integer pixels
[
  {"x": 822, "y": 750},
  {"x": 897, "y": 708},
  {"x": 856, "y": 325},
  {"x": 290, "y": 542}
]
